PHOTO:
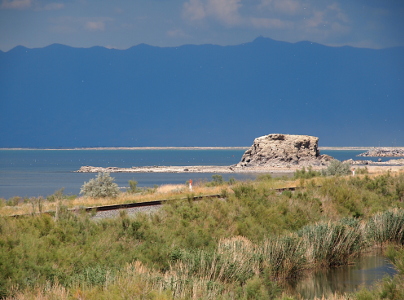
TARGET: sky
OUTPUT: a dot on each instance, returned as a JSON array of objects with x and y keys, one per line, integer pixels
[{"x": 122, "y": 24}]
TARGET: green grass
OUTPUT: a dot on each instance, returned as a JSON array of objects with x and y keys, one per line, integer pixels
[{"x": 235, "y": 248}]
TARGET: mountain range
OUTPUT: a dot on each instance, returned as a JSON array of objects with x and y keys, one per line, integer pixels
[{"x": 200, "y": 95}]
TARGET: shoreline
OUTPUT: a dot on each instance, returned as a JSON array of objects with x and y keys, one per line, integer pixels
[
  {"x": 189, "y": 148},
  {"x": 374, "y": 167}
]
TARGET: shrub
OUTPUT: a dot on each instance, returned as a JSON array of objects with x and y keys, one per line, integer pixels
[
  {"x": 216, "y": 180},
  {"x": 337, "y": 168},
  {"x": 132, "y": 186},
  {"x": 232, "y": 181},
  {"x": 100, "y": 187},
  {"x": 310, "y": 173},
  {"x": 58, "y": 195},
  {"x": 362, "y": 170},
  {"x": 264, "y": 177},
  {"x": 14, "y": 201}
]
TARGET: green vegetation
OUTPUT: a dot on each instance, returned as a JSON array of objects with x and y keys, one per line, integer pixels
[
  {"x": 132, "y": 187},
  {"x": 100, "y": 187},
  {"x": 310, "y": 173},
  {"x": 238, "y": 248},
  {"x": 337, "y": 168}
]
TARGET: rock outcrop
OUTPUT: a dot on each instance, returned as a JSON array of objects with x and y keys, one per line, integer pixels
[
  {"x": 390, "y": 162},
  {"x": 284, "y": 150},
  {"x": 384, "y": 152}
]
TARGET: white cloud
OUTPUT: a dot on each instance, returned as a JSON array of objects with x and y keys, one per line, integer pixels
[
  {"x": 316, "y": 19},
  {"x": 288, "y": 7},
  {"x": 194, "y": 10},
  {"x": 95, "y": 26},
  {"x": 70, "y": 24},
  {"x": 225, "y": 11},
  {"x": 330, "y": 20},
  {"x": 16, "y": 4}
]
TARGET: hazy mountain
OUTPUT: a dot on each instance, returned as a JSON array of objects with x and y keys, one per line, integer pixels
[{"x": 206, "y": 95}]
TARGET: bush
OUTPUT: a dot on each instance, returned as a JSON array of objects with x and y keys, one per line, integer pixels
[
  {"x": 310, "y": 173},
  {"x": 58, "y": 195},
  {"x": 100, "y": 187},
  {"x": 14, "y": 201},
  {"x": 132, "y": 186},
  {"x": 337, "y": 168},
  {"x": 361, "y": 171}
]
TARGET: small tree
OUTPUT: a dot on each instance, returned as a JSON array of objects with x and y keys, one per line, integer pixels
[
  {"x": 100, "y": 187},
  {"x": 337, "y": 168}
]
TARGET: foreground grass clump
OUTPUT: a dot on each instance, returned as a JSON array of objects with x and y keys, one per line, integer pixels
[{"x": 234, "y": 248}]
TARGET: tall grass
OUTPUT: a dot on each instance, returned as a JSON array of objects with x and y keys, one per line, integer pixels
[
  {"x": 283, "y": 257},
  {"x": 234, "y": 260},
  {"x": 330, "y": 244},
  {"x": 386, "y": 227}
]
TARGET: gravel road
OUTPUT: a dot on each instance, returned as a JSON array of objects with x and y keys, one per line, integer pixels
[{"x": 130, "y": 211}]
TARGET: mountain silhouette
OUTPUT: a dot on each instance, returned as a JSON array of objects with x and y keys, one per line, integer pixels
[{"x": 200, "y": 95}]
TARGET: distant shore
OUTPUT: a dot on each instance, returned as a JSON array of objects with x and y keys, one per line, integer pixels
[
  {"x": 190, "y": 148},
  {"x": 133, "y": 148}
]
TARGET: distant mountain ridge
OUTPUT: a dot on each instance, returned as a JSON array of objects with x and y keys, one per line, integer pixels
[{"x": 200, "y": 95}]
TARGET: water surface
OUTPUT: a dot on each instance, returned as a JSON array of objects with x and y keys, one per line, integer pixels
[
  {"x": 365, "y": 272},
  {"x": 32, "y": 173}
]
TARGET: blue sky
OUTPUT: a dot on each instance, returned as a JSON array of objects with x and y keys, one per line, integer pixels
[{"x": 124, "y": 23}]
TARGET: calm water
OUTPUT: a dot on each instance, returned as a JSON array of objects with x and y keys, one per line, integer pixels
[
  {"x": 30, "y": 173},
  {"x": 366, "y": 271}
]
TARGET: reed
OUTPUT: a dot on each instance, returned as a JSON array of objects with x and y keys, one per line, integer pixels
[
  {"x": 234, "y": 260},
  {"x": 330, "y": 244},
  {"x": 386, "y": 227},
  {"x": 283, "y": 256}
]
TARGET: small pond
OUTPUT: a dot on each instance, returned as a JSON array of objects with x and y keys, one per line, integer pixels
[{"x": 366, "y": 271}]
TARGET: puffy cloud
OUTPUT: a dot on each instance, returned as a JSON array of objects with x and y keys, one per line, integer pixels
[
  {"x": 95, "y": 26},
  {"x": 16, "y": 4},
  {"x": 329, "y": 20},
  {"x": 225, "y": 11},
  {"x": 194, "y": 10}
]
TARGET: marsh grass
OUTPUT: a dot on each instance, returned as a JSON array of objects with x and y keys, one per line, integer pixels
[
  {"x": 330, "y": 244},
  {"x": 386, "y": 227},
  {"x": 283, "y": 257}
]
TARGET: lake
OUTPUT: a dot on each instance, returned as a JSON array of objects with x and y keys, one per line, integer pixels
[{"x": 32, "y": 173}]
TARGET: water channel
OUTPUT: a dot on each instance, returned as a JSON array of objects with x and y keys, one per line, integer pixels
[{"x": 365, "y": 271}]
